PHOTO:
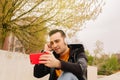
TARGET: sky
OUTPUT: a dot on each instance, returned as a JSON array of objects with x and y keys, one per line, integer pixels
[{"x": 106, "y": 28}]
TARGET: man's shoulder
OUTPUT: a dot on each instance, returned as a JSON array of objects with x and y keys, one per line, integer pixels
[{"x": 77, "y": 50}]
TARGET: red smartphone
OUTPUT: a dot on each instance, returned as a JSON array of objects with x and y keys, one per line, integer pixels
[{"x": 34, "y": 57}]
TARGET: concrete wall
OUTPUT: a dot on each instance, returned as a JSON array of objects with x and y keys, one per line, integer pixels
[
  {"x": 92, "y": 73},
  {"x": 16, "y": 66}
]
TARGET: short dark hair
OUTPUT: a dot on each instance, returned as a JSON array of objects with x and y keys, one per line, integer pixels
[{"x": 57, "y": 30}]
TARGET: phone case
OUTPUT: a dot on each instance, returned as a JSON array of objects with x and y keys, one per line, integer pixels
[{"x": 34, "y": 58}]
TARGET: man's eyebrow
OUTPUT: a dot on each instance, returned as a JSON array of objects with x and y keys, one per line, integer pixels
[
  {"x": 54, "y": 40},
  {"x": 51, "y": 41},
  {"x": 57, "y": 40}
]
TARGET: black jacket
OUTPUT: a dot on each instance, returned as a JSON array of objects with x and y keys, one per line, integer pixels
[{"x": 77, "y": 64}]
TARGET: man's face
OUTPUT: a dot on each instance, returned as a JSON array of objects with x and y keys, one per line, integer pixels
[{"x": 57, "y": 43}]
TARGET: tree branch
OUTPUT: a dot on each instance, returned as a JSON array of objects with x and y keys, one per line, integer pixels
[
  {"x": 27, "y": 11},
  {"x": 37, "y": 19}
]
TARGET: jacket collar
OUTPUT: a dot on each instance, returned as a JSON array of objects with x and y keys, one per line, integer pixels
[{"x": 72, "y": 48}]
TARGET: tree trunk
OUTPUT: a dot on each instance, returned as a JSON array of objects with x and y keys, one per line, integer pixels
[{"x": 6, "y": 43}]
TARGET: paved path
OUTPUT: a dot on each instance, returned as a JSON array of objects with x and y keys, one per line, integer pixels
[{"x": 115, "y": 76}]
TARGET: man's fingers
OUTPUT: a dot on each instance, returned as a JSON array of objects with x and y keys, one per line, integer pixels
[
  {"x": 42, "y": 62},
  {"x": 44, "y": 57}
]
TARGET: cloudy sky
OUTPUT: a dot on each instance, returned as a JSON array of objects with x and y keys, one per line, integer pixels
[{"x": 105, "y": 28}]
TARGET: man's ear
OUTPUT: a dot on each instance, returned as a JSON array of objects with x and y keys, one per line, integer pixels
[{"x": 65, "y": 40}]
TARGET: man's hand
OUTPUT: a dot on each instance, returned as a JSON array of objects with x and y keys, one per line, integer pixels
[
  {"x": 49, "y": 60},
  {"x": 47, "y": 47}
]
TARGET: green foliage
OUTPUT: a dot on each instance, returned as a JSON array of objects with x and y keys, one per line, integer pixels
[
  {"x": 29, "y": 20},
  {"x": 90, "y": 58},
  {"x": 106, "y": 65},
  {"x": 109, "y": 66}
]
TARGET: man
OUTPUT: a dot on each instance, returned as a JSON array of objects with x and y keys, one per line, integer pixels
[{"x": 63, "y": 62}]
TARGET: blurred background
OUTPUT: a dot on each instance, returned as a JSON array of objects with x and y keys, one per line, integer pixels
[{"x": 24, "y": 25}]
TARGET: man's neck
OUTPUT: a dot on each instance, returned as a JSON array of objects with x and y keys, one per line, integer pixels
[{"x": 67, "y": 49}]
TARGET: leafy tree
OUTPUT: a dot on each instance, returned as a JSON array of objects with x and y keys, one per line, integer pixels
[
  {"x": 29, "y": 20},
  {"x": 18, "y": 22},
  {"x": 98, "y": 51}
]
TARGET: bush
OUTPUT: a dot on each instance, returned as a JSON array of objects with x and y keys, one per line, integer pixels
[
  {"x": 109, "y": 66},
  {"x": 89, "y": 57},
  {"x": 106, "y": 65}
]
